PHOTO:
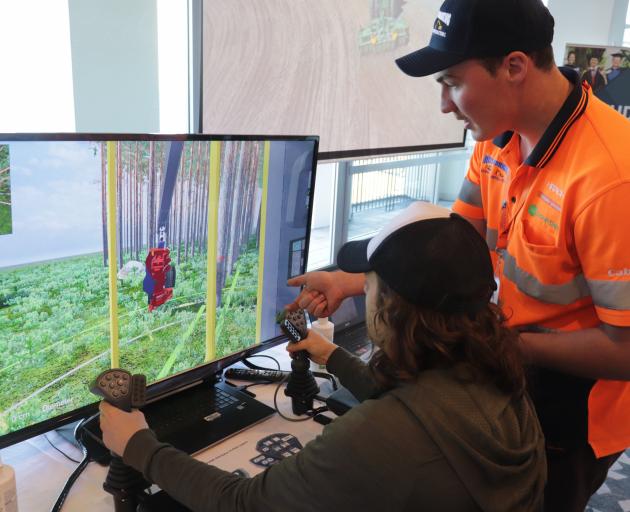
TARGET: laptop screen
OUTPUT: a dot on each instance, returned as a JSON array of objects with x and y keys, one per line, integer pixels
[{"x": 351, "y": 312}]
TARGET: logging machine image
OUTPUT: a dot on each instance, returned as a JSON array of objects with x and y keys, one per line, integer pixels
[{"x": 160, "y": 271}]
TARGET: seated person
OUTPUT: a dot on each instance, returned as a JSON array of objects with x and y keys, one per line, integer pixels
[{"x": 445, "y": 423}]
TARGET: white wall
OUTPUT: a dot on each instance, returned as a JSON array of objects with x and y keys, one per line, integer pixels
[
  {"x": 36, "y": 84},
  {"x": 587, "y": 22},
  {"x": 115, "y": 65}
]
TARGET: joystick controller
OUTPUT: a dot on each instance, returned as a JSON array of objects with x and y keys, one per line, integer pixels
[
  {"x": 125, "y": 391},
  {"x": 301, "y": 387},
  {"x": 120, "y": 388}
]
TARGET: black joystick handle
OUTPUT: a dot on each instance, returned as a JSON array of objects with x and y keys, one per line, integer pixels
[
  {"x": 294, "y": 325},
  {"x": 124, "y": 391},
  {"x": 301, "y": 387},
  {"x": 121, "y": 389}
]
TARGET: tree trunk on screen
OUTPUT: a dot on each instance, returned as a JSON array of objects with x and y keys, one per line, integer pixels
[
  {"x": 104, "y": 198},
  {"x": 120, "y": 202},
  {"x": 180, "y": 195},
  {"x": 150, "y": 194}
]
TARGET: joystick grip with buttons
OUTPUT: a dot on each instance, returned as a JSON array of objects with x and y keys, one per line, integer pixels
[
  {"x": 294, "y": 325},
  {"x": 120, "y": 388}
]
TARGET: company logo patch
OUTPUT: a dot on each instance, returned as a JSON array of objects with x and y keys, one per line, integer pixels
[
  {"x": 438, "y": 29},
  {"x": 533, "y": 211},
  {"x": 618, "y": 272},
  {"x": 442, "y": 21},
  {"x": 489, "y": 160},
  {"x": 445, "y": 17},
  {"x": 549, "y": 201},
  {"x": 555, "y": 189},
  {"x": 494, "y": 169}
]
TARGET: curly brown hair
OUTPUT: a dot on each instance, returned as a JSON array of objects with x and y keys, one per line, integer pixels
[{"x": 415, "y": 339}]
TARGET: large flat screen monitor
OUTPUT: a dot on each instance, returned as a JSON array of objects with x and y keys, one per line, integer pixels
[
  {"x": 325, "y": 67},
  {"x": 88, "y": 224}
]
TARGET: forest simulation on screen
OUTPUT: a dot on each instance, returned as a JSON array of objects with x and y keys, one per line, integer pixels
[{"x": 205, "y": 233}]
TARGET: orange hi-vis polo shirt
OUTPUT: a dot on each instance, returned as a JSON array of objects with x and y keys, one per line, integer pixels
[{"x": 558, "y": 223}]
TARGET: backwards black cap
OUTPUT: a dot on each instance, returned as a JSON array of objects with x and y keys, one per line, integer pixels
[
  {"x": 431, "y": 257},
  {"x": 468, "y": 29}
]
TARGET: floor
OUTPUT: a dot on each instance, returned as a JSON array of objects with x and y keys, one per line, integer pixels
[{"x": 614, "y": 495}]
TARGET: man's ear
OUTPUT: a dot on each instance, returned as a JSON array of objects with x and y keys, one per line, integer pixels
[{"x": 516, "y": 65}]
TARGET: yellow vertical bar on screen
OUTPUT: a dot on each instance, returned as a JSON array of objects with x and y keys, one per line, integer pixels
[
  {"x": 112, "y": 244},
  {"x": 261, "y": 242},
  {"x": 214, "y": 182}
]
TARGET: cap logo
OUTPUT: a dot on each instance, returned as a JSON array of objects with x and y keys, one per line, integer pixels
[
  {"x": 442, "y": 21},
  {"x": 445, "y": 17}
]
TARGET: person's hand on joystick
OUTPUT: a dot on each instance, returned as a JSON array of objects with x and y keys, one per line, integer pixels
[
  {"x": 122, "y": 393},
  {"x": 119, "y": 426}
]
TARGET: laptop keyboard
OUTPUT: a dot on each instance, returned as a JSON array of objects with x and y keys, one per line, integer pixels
[
  {"x": 355, "y": 341},
  {"x": 189, "y": 408}
]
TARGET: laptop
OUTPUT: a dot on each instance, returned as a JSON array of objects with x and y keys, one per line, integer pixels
[
  {"x": 350, "y": 328},
  {"x": 192, "y": 419},
  {"x": 203, "y": 415}
]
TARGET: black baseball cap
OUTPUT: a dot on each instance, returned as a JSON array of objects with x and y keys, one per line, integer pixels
[
  {"x": 469, "y": 29},
  {"x": 429, "y": 256}
]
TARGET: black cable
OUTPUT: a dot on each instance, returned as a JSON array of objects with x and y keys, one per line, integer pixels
[
  {"x": 253, "y": 366},
  {"x": 329, "y": 376},
  {"x": 61, "y": 451},
  {"x": 275, "y": 403},
  {"x": 79, "y": 469},
  {"x": 257, "y": 384},
  {"x": 71, "y": 479},
  {"x": 310, "y": 414}
]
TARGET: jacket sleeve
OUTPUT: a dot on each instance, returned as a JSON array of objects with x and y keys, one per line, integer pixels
[
  {"x": 469, "y": 202},
  {"x": 353, "y": 374},
  {"x": 329, "y": 473}
]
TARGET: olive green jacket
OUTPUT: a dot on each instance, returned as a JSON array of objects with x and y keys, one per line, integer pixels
[{"x": 438, "y": 444}]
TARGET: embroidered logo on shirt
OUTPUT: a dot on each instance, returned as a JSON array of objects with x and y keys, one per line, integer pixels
[
  {"x": 555, "y": 189},
  {"x": 549, "y": 201},
  {"x": 533, "y": 211},
  {"x": 497, "y": 170},
  {"x": 618, "y": 272}
]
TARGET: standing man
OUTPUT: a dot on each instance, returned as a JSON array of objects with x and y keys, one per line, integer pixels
[
  {"x": 549, "y": 187},
  {"x": 615, "y": 69},
  {"x": 593, "y": 76}
]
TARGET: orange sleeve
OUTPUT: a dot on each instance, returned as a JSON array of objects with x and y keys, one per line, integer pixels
[
  {"x": 469, "y": 202},
  {"x": 602, "y": 241}
]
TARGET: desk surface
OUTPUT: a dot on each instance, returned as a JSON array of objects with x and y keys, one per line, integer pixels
[{"x": 42, "y": 472}]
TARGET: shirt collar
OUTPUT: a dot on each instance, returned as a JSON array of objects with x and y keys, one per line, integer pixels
[{"x": 571, "y": 110}]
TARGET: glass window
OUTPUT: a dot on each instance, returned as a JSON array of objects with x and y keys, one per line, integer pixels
[
  {"x": 383, "y": 186},
  {"x": 354, "y": 199},
  {"x": 320, "y": 252},
  {"x": 172, "y": 19}
]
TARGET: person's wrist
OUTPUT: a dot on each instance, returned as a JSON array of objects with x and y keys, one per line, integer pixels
[{"x": 329, "y": 351}]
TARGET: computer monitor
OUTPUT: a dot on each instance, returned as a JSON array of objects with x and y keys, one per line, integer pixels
[{"x": 88, "y": 223}]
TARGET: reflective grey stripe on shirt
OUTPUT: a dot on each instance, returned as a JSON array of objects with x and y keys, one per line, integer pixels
[
  {"x": 610, "y": 294},
  {"x": 470, "y": 193},
  {"x": 491, "y": 238},
  {"x": 563, "y": 294}
]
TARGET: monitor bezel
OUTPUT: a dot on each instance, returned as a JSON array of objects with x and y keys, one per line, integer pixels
[{"x": 204, "y": 371}]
